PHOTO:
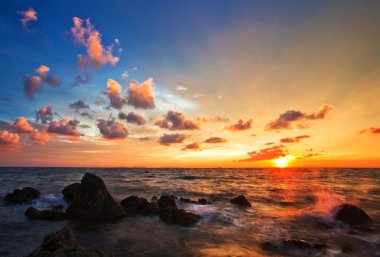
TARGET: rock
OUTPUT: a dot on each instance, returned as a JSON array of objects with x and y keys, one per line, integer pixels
[
  {"x": 150, "y": 209},
  {"x": 154, "y": 198},
  {"x": 298, "y": 244},
  {"x": 241, "y": 200},
  {"x": 21, "y": 196},
  {"x": 187, "y": 200},
  {"x": 33, "y": 213},
  {"x": 352, "y": 215},
  {"x": 62, "y": 244},
  {"x": 178, "y": 216},
  {"x": 58, "y": 207},
  {"x": 134, "y": 204},
  {"x": 93, "y": 201},
  {"x": 70, "y": 191},
  {"x": 203, "y": 201},
  {"x": 270, "y": 247},
  {"x": 166, "y": 201}
]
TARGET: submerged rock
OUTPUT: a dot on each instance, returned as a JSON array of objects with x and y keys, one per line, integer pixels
[
  {"x": 70, "y": 191},
  {"x": 178, "y": 216},
  {"x": 93, "y": 201},
  {"x": 21, "y": 196},
  {"x": 134, "y": 204},
  {"x": 241, "y": 200},
  {"x": 62, "y": 244},
  {"x": 33, "y": 213},
  {"x": 352, "y": 215},
  {"x": 167, "y": 201}
]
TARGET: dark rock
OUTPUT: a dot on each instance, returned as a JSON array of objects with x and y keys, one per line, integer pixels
[
  {"x": 58, "y": 207},
  {"x": 21, "y": 196},
  {"x": 150, "y": 209},
  {"x": 70, "y": 191},
  {"x": 203, "y": 201},
  {"x": 178, "y": 216},
  {"x": 33, "y": 213},
  {"x": 167, "y": 201},
  {"x": 352, "y": 215},
  {"x": 134, "y": 204},
  {"x": 63, "y": 238},
  {"x": 298, "y": 244},
  {"x": 241, "y": 201},
  {"x": 93, "y": 201},
  {"x": 270, "y": 247},
  {"x": 154, "y": 198},
  {"x": 187, "y": 200}
]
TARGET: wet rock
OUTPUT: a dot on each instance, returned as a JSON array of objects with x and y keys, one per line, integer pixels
[
  {"x": 93, "y": 201},
  {"x": 177, "y": 216},
  {"x": 33, "y": 213},
  {"x": 203, "y": 201},
  {"x": 167, "y": 201},
  {"x": 21, "y": 196},
  {"x": 241, "y": 200},
  {"x": 62, "y": 244},
  {"x": 150, "y": 209},
  {"x": 134, "y": 204},
  {"x": 70, "y": 191},
  {"x": 187, "y": 200},
  {"x": 352, "y": 215}
]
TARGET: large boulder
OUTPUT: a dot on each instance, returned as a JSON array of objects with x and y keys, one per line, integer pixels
[
  {"x": 178, "y": 216},
  {"x": 352, "y": 215},
  {"x": 62, "y": 244},
  {"x": 241, "y": 200},
  {"x": 167, "y": 201},
  {"x": 134, "y": 204},
  {"x": 33, "y": 213},
  {"x": 93, "y": 201},
  {"x": 70, "y": 191},
  {"x": 24, "y": 195}
]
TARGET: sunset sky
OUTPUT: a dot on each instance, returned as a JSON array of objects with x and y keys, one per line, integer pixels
[{"x": 190, "y": 83}]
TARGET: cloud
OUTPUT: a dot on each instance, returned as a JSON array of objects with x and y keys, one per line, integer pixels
[
  {"x": 40, "y": 137},
  {"x": 293, "y": 139},
  {"x": 79, "y": 105},
  {"x": 240, "y": 125},
  {"x": 112, "y": 129},
  {"x": 141, "y": 96},
  {"x": 8, "y": 138},
  {"x": 32, "y": 85},
  {"x": 114, "y": 94},
  {"x": 176, "y": 121},
  {"x": 65, "y": 126},
  {"x": 133, "y": 118},
  {"x": 215, "y": 140},
  {"x": 28, "y": 16},
  {"x": 21, "y": 125},
  {"x": 292, "y": 118},
  {"x": 181, "y": 88},
  {"x": 168, "y": 139},
  {"x": 269, "y": 153},
  {"x": 87, "y": 114},
  {"x": 97, "y": 54},
  {"x": 193, "y": 147},
  {"x": 214, "y": 119},
  {"x": 45, "y": 114},
  {"x": 81, "y": 79},
  {"x": 371, "y": 130},
  {"x": 50, "y": 80}
]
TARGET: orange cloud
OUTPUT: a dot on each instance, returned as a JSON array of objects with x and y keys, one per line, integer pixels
[
  {"x": 28, "y": 16},
  {"x": 21, "y": 125},
  {"x": 205, "y": 118},
  {"x": 141, "y": 96},
  {"x": 8, "y": 138},
  {"x": 269, "y": 153},
  {"x": 240, "y": 125},
  {"x": 168, "y": 139},
  {"x": 40, "y": 137},
  {"x": 176, "y": 121},
  {"x": 215, "y": 140},
  {"x": 193, "y": 147},
  {"x": 90, "y": 38},
  {"x": 114, "y": 94},
  {"x": 112, "y": 129},
  {"x": 371, "y": 130},
  {"x": 65, "y": 126},
  {"x": 293, "y": 139}
]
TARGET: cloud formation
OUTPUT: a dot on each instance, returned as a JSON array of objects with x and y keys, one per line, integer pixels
[
  {"x": 215, "y": 140},
  {"x": 50, "y": 80},
  {"x": 33, "y": 84},
  {"x": 192, "y": 147},
  {"x": 40, "y": 137},
  {"x": 97, "y": 55},
  {"x": 114, "y": 94},
  {"x": 141, "y": 96},
  {"x": 65, "y": 126},
  {"x": 213, "y": 119},
  {"x": 168, "y": 139},
  {"x": 240, "y": 125},
  {"x": 269, "y": 153},
  {"x": 132, "y": 117},
  {"x": 297, "y": 119},
  {"x": 27, "y": 16},
  {"x": 81, "y": 79},
  {"x": 371, "y": 130},
  {"x": 45, "y": 114},
  {"x": 22, "y": 126},
  {"x": 8, "y": 138},
  {"x": 112, "y": 129},
  {"x": 79, "y": 105},
  {"x": 176, "y": 121},
  {"x": 293, "y": 139}
]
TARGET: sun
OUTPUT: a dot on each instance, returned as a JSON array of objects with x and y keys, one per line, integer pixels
[{"x": 281, "y": 162}]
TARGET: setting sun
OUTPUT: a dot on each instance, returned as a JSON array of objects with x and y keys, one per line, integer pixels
[{"x": 281, "y": 162}]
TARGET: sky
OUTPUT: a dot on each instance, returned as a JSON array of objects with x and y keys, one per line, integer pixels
[{"x": 190, "y": 83}]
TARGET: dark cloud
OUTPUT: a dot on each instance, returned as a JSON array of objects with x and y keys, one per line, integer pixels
[
  {"x": 371, "y": 130},
  {"x": 168, "y": 139},
  {"x": 32, "y": 85},
  {"x": 112, "y": 129},
  {"x": 193, "y": 147},
  {"x": 81, "y": 79},
  {"x": 292, "y": 118},
  {"x": 141, "y": 96},
  {"x": 176, "y": 121},
  {"x": 133, "y": 118},
  {"x": 240, "y": 125},
  {"x": 293, "y": 139},
  {"x": 45, "y": 114},
  {"x": 50, "y": 80},
  {"x": 269, "y": 153},
  {"x": 79, "y": 105},
  {"x": 215, "y": 140},
  {"x": 85, "y": 126},
  {"x": 65, "y": 126},
  {"x": 87, "y": 114}
]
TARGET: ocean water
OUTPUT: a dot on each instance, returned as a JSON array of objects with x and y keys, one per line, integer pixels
[{"x": 286, "y": 204}]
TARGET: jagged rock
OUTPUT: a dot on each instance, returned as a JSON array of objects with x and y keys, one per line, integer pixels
[
  {"x": 134, "y": 204},
  {"x": 150, "y": 209},
  {"x": 241, "y": 200},
  {"x": 352, "y": 215},
  {"x": 21, "y": 196},
  {"x": 70, "y": 191},
  {"x": 177, "y": 216},
  {"x": 93, "y": 201},
  {"x": 167, "y": 201},
  {"x": 33, "y": 213}
]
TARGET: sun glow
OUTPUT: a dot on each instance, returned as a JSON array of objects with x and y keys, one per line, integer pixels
[{"x": 281, "y": 162}]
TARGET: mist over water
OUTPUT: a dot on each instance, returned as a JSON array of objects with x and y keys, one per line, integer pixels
[{"x": 286, "y": 204}]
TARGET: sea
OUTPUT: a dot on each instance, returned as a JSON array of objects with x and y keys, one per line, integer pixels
[{"x": 287, "y": 204}]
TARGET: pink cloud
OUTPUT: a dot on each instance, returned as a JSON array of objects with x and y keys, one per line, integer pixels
[
  {"x": 21, "y": 125},
  {"x": 40, "y": 137},
  {"x": 141, "y": 96},
  {"x": 168, "y": 139},
  {"x": 28, "y": 16},
  {"x": 114, "y": 94},
  {"x": 65, "y": 126},
  {"x": 8, "y": 138},
  {"x": 112, "y": 129}
]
